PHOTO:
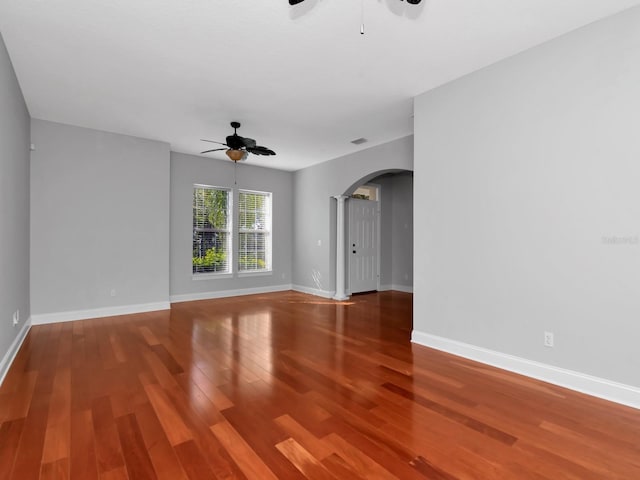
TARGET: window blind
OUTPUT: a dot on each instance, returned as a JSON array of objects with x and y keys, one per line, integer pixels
[
  {"x": 211, "y": 230},
  {"x": 254, "y": 231}
]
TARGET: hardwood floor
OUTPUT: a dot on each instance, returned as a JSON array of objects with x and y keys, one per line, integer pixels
[{"x": 290, "y": 386}]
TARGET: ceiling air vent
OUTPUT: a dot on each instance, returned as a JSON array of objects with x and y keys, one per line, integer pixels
[{"x": 359, "y": 141}]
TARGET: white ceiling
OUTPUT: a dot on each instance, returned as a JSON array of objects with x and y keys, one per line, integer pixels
[{"x": 302, "y": 80}]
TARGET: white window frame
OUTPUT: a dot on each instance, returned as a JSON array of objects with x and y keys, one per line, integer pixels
[
  {"x": 228, "y": 230},
  {"x": 266, "y": 231}
]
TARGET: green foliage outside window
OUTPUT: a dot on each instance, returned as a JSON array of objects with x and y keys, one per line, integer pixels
[
  {"x": 210, "y": 208},
  {"x": 251, "y": 262},
  {"x": 212, "y": 258}
]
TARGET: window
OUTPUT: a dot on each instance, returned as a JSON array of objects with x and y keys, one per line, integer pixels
[
  {"x": 211, "y": 230},
  {"x": 366, "y": 192},
  {"x": 254, "y": 231}
]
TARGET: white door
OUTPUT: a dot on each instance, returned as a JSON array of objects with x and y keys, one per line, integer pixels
[{"x": 363, "y": 247}]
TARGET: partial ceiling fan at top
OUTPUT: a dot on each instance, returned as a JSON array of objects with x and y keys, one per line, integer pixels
[{"x": 412, "y": 2}]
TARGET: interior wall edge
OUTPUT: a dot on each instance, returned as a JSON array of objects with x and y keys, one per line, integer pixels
[
  {"x": 189, "y": 297},
  {"x": 56, "y": 317},
  {"x": 313, "y": 291},
  {"x": 397, "y": 288},
  {"x": 10, "y": 356}
]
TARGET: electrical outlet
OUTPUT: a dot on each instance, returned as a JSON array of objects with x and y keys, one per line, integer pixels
[
  {"x": 548, "y": 339},
  {"x": 16, "y": 317},
  {"x": 113, "y": 292}
]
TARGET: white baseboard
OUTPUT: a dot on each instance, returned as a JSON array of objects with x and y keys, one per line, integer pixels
[
  {"x": 581, "y": 382},
  {"x": 10, "y": 356},
  {"x": 188, "y": 297},
  {"x": 398, "y": 288},
  {"x": 45, "y": 318},
  {"x": 313, "y": 291}
]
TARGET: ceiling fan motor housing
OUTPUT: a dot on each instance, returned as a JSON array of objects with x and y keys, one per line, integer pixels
[{"x": 235, "y": 142}]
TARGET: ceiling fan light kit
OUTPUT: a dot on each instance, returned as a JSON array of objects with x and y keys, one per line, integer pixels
[{"x": 236, "y": 155}]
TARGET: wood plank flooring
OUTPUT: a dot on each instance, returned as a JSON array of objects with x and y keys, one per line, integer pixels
[{"x": 290, "y": 386}]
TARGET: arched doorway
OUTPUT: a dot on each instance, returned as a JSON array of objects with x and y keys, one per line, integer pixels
[{"x": 394, "y": 196}]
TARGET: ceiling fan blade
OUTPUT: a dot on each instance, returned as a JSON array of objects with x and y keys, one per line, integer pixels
[
  {"x": 212, "y": 141},
  {"x": 214, "y": 150},
  {"x": 259, "y": 150},
  {"x": 295, "y": 2}
]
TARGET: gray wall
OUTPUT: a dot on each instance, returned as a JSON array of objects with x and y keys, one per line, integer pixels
[
  {"x": 386, "y": 230},
  {"x": 314, "y": 210},
  {"x": 396, "y": 230},
  {"x": 187, "y": 170},
  {"x": 527, "y": 169},
  {"x": 99, "y": 219},
  {"x": 14, "y": 205},
  {"x": 402, "y": 228}
]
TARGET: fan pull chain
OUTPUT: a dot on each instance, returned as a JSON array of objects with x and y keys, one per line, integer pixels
[{"x": 362, "y": 18}]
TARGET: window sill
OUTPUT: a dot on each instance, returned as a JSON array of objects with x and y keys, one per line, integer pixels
[
  {"x": 211, "y": 276},
  {"x": 258, "y": 273}
]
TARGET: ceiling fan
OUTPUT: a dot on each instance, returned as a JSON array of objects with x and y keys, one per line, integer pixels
[
  {"x": 295, "y": 2},
  {"x": 237, "y": 147}
]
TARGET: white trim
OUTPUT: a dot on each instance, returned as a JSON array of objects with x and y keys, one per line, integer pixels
[
  {"x": 46, "y": 318},
  {"x": 188, "y": 297},
  {"x": 10, "y": 356},
  {"x": 399, "y": 288},
  {"x": 581, "y": 382},
  {"x": 313, "y": 291},
  {"x": 341, "y": 257},
  {"x": 211, "y": 276}
]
